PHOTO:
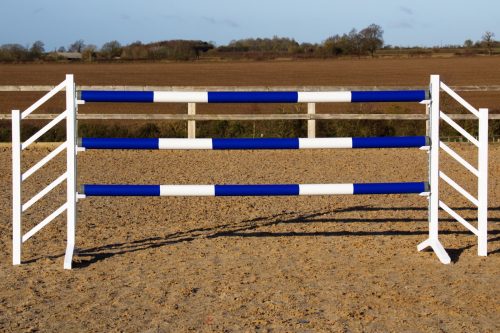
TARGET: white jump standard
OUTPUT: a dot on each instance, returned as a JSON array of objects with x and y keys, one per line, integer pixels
[{"x": 430, "y": 143}]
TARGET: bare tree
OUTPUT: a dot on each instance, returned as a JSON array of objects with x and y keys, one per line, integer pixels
[
  {"x": 488, "y": 41},
  {"x": 111, "y": 49},
  {"x": 135, "y": 50},
  {"x": 77, "y": 46},
  {"x": 336, "y": 45},
  {"x": 88, "y": 52},
  {"x": 37, "y": 49},
  {"x": 355, "y": 42},
  {"x": 372, "y": 38},
  {"x": 468, "y": 43},
  {"x": 14, "y": 52}
]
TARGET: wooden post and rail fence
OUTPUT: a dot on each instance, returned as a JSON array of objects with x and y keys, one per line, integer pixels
[{"x": 191, "y": 117}]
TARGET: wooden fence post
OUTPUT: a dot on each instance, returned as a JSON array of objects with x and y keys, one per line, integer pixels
[
  {"x": 191, "y": 123},
  {"x": 311, "y": 124}
]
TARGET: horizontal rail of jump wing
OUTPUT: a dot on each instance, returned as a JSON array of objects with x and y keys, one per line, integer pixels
[
  {"x": 46, "y": 190},
  {"x": 458, "y": 128},
  {"x": 258, "y": 143},
  {"x": 44, "y": 161},
  {"x": 46, "y": 221},
  {"x": 459, "y": 188},
  {"x": 458, "y": 218},
  {"x": 459, "y": 99},
  {"x": 458, "y": 158},
  {"x": 44, "y": 99},
  {"x": 44, "y": 130},
  {"x": 253, "y": 190},
  {"x": 253, "y": 96}
]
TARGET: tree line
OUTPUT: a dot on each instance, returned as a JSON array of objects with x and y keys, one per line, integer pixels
[{"x": 365, "y": 42}]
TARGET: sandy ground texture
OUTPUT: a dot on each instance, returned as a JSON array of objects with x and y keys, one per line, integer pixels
[{"x": 281, "y": 264}]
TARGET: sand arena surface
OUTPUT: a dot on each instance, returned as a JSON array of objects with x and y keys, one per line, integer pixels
[{"x": 295, "y": 264}]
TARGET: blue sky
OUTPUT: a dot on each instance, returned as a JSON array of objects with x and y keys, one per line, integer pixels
[{"x": 423, "y": 22}]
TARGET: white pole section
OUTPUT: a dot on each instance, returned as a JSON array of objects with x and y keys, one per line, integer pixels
[
  {"x": 311, "y": 123},
  {"x": 434, "y": 159},
  {"x": 16, "y": 187},
  {"x": 71, "y": 170},
  {"x": 482, "y": 195},
  {"x": 191, "y": 123}
]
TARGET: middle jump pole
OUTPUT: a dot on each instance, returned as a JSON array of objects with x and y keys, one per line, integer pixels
[{"x": 258, "y": 143}]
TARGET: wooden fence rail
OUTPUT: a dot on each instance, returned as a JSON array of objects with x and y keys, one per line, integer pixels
[
  {"x": 204, "y": 117},
  {"x": 191, "y": 117},
  {"x": 33, "y": 88}
]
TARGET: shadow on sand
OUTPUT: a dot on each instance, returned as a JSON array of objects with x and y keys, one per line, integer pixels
[{"x": 249, "y": 228}]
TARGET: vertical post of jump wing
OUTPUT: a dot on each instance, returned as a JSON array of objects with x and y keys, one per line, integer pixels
[
  {"x": 433, "y": 240},
  {"x": 482, "y": 189},
  {"x": 71, "y": 170},
  {"x": 427, "y": 121},
  {"x": 434, "y": 157},
  {"x": 16, "y": 187}
]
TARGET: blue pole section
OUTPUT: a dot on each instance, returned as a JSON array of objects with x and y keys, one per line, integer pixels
[
  {"x": 119, "y": 143},
  {"x": 391, "y": 142},
  {"x": 121, "y": 190},
  {"x": 259, "y": 143},
  {"x": 388, "y": 96},
  {"x": 117, "y": 96},
  {"x": 391, "y": 188},
  {"x": 253, "y": 97},
  {"x": 256, "y": 190}
]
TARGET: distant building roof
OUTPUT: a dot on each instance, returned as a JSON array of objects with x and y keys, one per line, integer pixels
[{"x": 70, "y": 55}]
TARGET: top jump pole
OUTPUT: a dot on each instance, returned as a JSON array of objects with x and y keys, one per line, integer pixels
[{"x": 253, "y": 96}]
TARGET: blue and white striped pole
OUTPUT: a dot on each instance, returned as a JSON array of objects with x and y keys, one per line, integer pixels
[
  {"x": 259, "y": 143},
  {"x": 254, "y": 190},
  {"x": 253, "y": 96}
]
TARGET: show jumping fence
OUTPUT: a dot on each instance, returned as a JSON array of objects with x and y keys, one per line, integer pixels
[{"x": 430, "y": 142}]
